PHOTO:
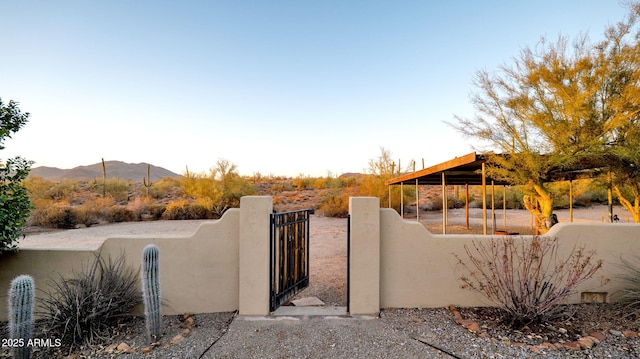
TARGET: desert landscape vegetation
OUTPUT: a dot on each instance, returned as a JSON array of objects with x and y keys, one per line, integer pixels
[{"x": 71, "y": 199}]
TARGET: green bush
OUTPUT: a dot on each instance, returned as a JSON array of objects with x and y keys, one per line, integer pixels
[
  {"x": 82, "y": 309},
  {"x": 14, "y": 201}
]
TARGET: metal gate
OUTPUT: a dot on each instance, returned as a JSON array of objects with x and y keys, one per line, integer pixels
[{"x": 289, "y": 255}]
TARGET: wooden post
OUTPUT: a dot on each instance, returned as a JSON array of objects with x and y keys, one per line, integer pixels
[
  {"x": 402, "y": 199},
  {"x": 493, "y": 207},
  {"x": 444, "y": 204},
  {"x": 504, "y": 205},
  {"x": 466, "y": 204},
  {"x": 484, "y": 200},
  {"x": 570, "y": 200},
  {"x": 417, "y": 203}
]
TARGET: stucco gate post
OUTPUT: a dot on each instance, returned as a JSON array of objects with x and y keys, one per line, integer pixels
[
  {"x": 254, "y": 258},
  {"x": 364, "y": 261}
]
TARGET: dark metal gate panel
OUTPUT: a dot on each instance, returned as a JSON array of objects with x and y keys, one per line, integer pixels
[{"x": 289, "y": 255}]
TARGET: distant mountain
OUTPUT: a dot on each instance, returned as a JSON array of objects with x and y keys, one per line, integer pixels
[{"x": 115, "y": 169}]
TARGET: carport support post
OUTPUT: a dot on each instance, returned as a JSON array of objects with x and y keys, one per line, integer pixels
[
  {"x": 570, "y": 200},
  {"x": 364, "y": 253},
  {"x": 254, "y": 261},
  {"x": 484, "y": 200},
  {"x": 445, "y": 205}
]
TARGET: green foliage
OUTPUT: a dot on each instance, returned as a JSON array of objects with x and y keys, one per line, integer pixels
[
  {"x": 82, "y": 309},
  {"x": 21, "y": 304},
  {"x": 526, "y": 279},
  {"x": 372, "y": 184},
  {"x": 151, "y": 291},
  {"x": 629, "y": 297},
  {"x": 14, "y": 202},
  {"x": 14, "y": 199},
  {"x": 184, "y": 209},
  {"x": 335, "y": 203},
  {"x": 558, "y": 107},
  {"x": 218, "y": 191}
]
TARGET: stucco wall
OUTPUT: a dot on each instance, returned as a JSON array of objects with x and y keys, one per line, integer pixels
[
  {"x": 198, "y": 273},
  {"x": 418, "y": 268}
]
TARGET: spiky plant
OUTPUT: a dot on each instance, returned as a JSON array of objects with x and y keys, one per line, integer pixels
[{"x": 21, "y": 303}]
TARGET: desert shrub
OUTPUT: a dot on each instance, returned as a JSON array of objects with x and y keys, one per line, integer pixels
[
  {"x": 183, "y": 209},
  {"x": 452, "y": 202},
  {"x": 527, "y": 279},
  {"x": 335, "y": 204},
  {"x": 121, "y": 214},
  {"x": 82, "y": 309},
  {"x": 156, "y": 211},
  {"x": 629, "y": 296},
  {"x": 302, "y": 182},
  {"x": 59, "y": 215},
  {"x": 118, "y": 189}
]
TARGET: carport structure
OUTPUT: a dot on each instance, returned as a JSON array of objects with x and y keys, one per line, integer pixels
[{"x": 470, "y": 170}]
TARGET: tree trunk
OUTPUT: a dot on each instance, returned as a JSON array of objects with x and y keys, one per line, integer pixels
[
  {"x": 633, "y": 208},
  {"x": 541, "y": 206}
]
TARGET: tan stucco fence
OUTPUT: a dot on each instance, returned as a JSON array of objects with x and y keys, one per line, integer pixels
[{"x": 224, "y": 265}]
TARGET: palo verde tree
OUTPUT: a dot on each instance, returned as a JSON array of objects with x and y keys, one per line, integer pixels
[
  {"x": 624, "y": 150},
  {"x": 220, "y": 190},
  {"x": 554, "y": 109},
  {"x": 14, "y": 198},
  {"x": 381, "y": 169}
]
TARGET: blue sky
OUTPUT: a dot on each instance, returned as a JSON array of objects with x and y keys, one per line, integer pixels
[{"x": 276, "y": 87}]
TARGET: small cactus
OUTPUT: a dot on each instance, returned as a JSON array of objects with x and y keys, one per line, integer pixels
[
  {"x": 21, "y": 303},
  {"x": 151, "y": 290}
]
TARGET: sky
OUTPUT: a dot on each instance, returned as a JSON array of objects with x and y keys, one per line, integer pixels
[{"x": 284, "y": 88}]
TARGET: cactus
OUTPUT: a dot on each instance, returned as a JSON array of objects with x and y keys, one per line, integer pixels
[
  {"x": 151, "y": 290},
  {"x": 104, "y": 180},
  {"x": 21, "y": 303},
  {"x": 146, "y": 181}
]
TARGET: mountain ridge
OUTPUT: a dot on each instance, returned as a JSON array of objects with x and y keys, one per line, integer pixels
[{"x": 114, "y": 169}]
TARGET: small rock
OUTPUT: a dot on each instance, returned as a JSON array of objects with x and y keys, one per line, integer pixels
[
  {"x": 146, "y": 350},
  {"x": 125, "y": 348},
  {"x": 518, "y": 345},
  {"x": 471, "y": 325},
  {"x": 189, "y": 322},
  {"x": 534, "y": 348},
  {"x": 595, "y": 340},
  {"x": 562, "y": 331},
  {"x": 616, "y": 333},
  {"x": 629, "y": 333},
  {"x": 73, "y": 356},
  {"x": 549, "y": 345},
  {"x": 598, "y": 335},
  {"x": 572, "y": 345},
  {"x": 585, "y": 343},
  {"x": 111, "y": 348},
  {"x": 484, "y": 335},
  {"x": 186, "y": 332},
  {"x": 176, "y": 339}
]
